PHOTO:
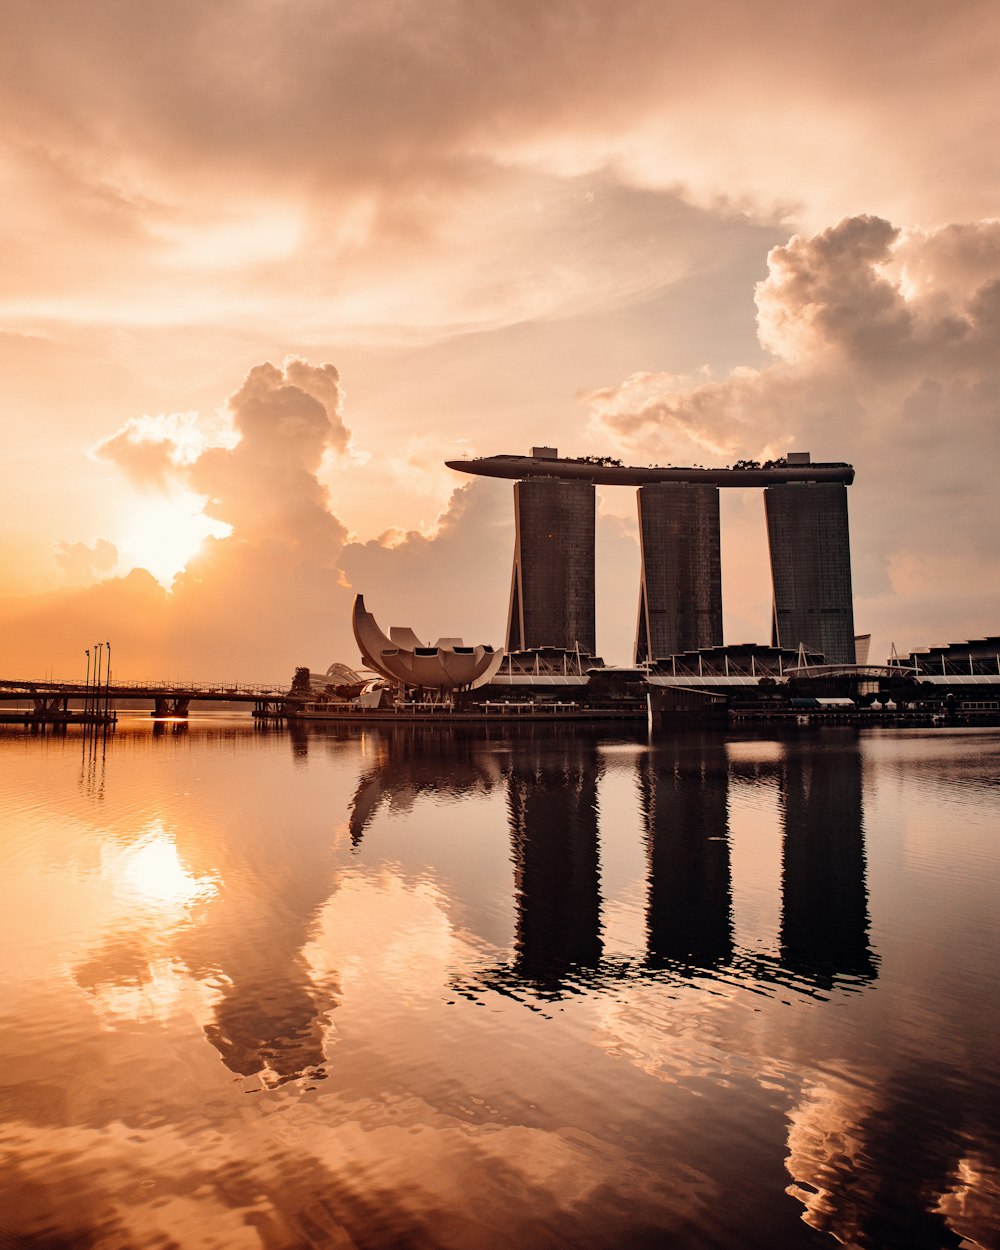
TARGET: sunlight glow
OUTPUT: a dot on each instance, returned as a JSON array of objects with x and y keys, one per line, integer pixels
[
  {"x": 162, "y": 533},
  {"x": 151, "y": 874},
  {"x": 255, "y": 237}
]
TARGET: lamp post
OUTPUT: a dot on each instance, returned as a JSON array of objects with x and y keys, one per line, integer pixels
[
  {"x": 86, "y": 696},
  {"x": 107, "y": 682},
  {"x": 97, "y": 678}
]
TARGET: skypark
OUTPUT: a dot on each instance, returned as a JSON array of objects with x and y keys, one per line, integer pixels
[
  {"x": 543, "y": 462},
  {"x": 553, "y": 595}
]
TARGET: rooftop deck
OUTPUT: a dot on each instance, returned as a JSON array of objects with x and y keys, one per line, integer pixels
[{"x": 602, "y": 473}]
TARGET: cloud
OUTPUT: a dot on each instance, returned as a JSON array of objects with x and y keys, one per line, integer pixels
[
  {"x": 251, "y": 604},
  {"x": 884, "y": 345},
  {"x": 453, "y": 581},
  {"x": 387, "y": 165},
  {"x": 154, "y": 450},
  {"x": 266, "y": 486},
  {"x": 83, "y": 562},
  {"x": 881, "y": 348}
]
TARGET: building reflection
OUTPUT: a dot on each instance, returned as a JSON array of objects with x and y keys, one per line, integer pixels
[
  {"x": 684, "y": 784},
  {"x": 405, "y": 761},
  {"x": 824, "y": 899},
  {"x": 552, "y": 803}
]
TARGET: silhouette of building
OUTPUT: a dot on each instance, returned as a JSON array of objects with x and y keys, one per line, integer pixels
[
  {"x": 552, "y": 801},
  {"x": 680, "y": 604},
  {"x": 824, "y": 914},
  {"x": 685, "y": 800},
  {"x": 680, "y": 591},
  {"x": 809, "y": 540},
  {"x": 552, "y": 587}
]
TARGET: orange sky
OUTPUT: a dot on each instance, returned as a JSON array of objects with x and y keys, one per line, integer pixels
[{"x": 267, "y": 265}]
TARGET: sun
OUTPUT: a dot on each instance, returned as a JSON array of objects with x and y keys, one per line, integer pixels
[{"x": 163, "y": 533}]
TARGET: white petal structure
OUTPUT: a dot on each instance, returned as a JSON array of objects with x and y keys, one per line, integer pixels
[{"x": 447, "y": 665}]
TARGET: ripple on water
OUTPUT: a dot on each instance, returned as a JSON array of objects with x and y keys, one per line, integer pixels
[{"x": 289, "y": 991}]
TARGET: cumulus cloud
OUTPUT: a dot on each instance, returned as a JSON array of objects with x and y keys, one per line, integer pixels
[
  {"x": 452, "y": 581},
  {"x": 455, "y": 579},
  {"x": 885, "y": 353},
  {"x": 271, "y": 588},
  {"x": 266, "y": 486},
  {"x": 154, "y": 450},
  {"x": 882, "y": 349},
  {"x": 86, "y": 562},
  {"x": 253, "y": 603}
]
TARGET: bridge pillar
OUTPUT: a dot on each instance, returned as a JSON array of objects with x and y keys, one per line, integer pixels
[
  {"x": 267, "y": 710},
  {"x": 165, "y": 705},
  {"x": 49, "y": 706}
]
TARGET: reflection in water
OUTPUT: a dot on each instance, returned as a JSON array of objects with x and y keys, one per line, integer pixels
[
  {"x": 824, "y": 917},
  {"x": 881, "y": 1171},
  {"x": 685, "y": 802},
  {"x": 212, "y": 905},
  {"x": 266, "y": 1016},
  {"x": 683, "y": 786},
  {"x": 270, "y": 1018},
  {"x": 409, "y": 760},
  {"x": 552, "y": 800},
  {"x": 150, "y": 872}
]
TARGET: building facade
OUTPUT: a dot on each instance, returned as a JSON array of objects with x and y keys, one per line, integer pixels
[
  {"x": 552, "y": 587},
  {"x": 809, "y": 541},
  {"x": 680, "y": 589}
]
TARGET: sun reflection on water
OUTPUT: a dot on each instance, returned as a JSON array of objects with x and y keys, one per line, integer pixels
[{"x": 150, "y": 873}]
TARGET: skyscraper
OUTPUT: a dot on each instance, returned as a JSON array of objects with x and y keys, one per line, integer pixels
[
  {"x": 809, "y": 540},
  {"x": 680, "y": 597},
  {"x": 552, "y": 588},
  {"x": 680, "y": 591}
]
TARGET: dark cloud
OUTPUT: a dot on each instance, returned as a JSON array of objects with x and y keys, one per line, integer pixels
[{"x": 344, "y": 140}]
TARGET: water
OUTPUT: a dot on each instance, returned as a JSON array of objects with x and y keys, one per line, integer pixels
[{"x": 421, "y": 988}]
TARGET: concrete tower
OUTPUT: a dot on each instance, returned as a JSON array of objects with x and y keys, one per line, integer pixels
[
  {"x": 680, "y": 592},
  {"x": 552, "y": 589},
  {"x": 810, "y": 544}
]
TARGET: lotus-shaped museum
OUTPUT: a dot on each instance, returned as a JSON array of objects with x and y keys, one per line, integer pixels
[{"x": 446, "y": 665}]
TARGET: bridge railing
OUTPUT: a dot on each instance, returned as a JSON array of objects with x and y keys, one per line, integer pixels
[{"x": 149, "y": 689}]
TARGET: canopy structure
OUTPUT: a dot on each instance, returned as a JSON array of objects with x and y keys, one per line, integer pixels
[
  {"x": 603, "y": 472},
  {"x": 446, "y": 665}
]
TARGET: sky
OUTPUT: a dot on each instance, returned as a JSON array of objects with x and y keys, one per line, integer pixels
[{"x": 267, "y": 264}]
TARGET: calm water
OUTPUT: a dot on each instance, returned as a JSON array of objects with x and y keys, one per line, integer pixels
[{"x": 431, "y": 989}]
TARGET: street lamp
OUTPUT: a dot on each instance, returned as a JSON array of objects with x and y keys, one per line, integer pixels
[{"x": 97, "y": 678}]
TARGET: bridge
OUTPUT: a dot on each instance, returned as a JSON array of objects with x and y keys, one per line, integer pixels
[{"x": 50, "y": 700}]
